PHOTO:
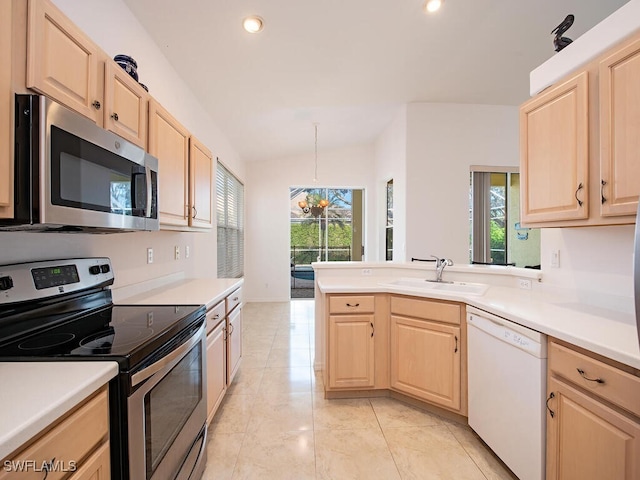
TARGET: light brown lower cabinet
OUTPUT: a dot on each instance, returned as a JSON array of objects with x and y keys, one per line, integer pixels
[
  {"x": 588, "y": 440},
  {"x": 425, "y": 360},
  {"x": 593, "y": 416},
  {"x": 76, "y": 448},
  {"x": 216, "y": 368},
  {"x": 351, "y": 352},
  {"x": 234, "y": 343}
]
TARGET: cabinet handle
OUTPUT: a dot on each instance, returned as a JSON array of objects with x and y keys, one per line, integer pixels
[
  {"x": 354, "y": 306},
  {"x": 580, "y": 187},
  {"x": 551, "y": 412},
  {"x": 373, "y": 329},
  {"x": 456, "y": 349},
  {"x": 232, "y": 329},
  {"x": 584, "y": 375},
  {"x": 602, "y": 197},
  {"x": 235, "y": 299},
  {"x": 224, "y": 336},
  {"x": 195, "y": 212},
  {"x": 115, "y": 116},
  {"x": 96, "y": 105},
  {"x": 216, "y": 316}
]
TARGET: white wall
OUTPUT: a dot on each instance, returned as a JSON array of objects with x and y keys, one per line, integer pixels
[
  {"x": 114, "y": 28},
  {"x": 391, "y": 163},
  {"x": 595, "y": 260},
  {"x": 267, "y": 238},
  {"x": 443, "y": 141}
]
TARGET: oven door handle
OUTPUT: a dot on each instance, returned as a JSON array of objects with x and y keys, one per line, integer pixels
[{"x": 177, "y": 354}]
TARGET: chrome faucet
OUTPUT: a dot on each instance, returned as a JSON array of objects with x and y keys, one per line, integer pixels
[{"x": 440, "y": 264}]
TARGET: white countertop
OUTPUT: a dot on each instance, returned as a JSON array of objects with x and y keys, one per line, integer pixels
[
  {"x": 608, "y": 332},
  {"x": 194, "y": 291},
  {"x": 36, "y": 394}
]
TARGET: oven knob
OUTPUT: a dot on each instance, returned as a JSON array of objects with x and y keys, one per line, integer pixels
[
  {"x": 94, "y": 269},
  {"x": 6, "y": 283},
  {"x": 105, "y": 268}
]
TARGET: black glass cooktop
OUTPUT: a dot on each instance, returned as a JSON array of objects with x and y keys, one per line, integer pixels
[{"x": 127, "y": 334}]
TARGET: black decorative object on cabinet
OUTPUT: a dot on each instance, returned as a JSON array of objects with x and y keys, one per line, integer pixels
[{"x": 559, "y": 42}]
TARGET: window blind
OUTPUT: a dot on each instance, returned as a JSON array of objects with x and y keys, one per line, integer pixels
[{"x": 230, "y": 222}]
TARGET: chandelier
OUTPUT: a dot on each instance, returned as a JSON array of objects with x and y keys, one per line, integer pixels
[{"x": 318, "y": 209}]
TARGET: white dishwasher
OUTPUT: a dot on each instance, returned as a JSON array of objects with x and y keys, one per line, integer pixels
[{"x": 507, "y": 365}]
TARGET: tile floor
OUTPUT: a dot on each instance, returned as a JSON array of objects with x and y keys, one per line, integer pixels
[{"x": 274, "y": 422}]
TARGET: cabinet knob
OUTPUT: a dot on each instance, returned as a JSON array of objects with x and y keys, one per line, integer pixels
[
  {"x": 115, "y": 116},
  {"x": 96, "y": 105}
]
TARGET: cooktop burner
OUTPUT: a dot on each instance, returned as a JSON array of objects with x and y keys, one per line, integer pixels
[
  {"x": 126, "y": 333},
  {"x": 53, "y": 340}
]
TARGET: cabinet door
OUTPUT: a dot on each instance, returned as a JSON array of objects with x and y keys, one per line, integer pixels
[
  {"x": 169, "y": 142},
  {"x": 587, "y": 440},
  {"x": 62, "y": 62},
  {"x": 96, "y": 467},
  {"x": 425, "y": 360},
  {"x": 351, "y": 351},
  {"x": 216, "y": 368},
  {"x": 6, "y": 111},
  {"x": 201, "y": 182},
  {"x": 619, "y": 131},
  {"x": 554, "y": 153},
  {"x": 125, "y": 105},
  {"x": 234, "y": 343}
]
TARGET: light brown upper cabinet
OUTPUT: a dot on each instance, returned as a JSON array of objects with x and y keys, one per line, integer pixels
[
  {"x": 62, "y": 62},
  {"x": 620, "y": 130},
  {"x": 169, "y": 142},
  {"x": 554, "y": 153},
  {"x": 126, "y": 105},
  {"x": 201, "y": 185},
  {"x": 579, "y": 145},
  {"x": 6, "y": 110}
]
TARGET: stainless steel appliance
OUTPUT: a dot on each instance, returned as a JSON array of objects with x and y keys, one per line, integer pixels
[
  {"x": 72, "y": 175},
  {"x": 62, "y": 311}
]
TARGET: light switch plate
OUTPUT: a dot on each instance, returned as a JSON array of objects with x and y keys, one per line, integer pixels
[{"x": 555, "y": 259}]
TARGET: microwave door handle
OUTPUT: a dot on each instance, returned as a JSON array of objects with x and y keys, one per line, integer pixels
[
  {"x": 147, "y": 212},
  {"x": 134, "y": 192}
]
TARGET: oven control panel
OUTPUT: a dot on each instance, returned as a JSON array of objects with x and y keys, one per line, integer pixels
[{"x": 36, "y": 280}]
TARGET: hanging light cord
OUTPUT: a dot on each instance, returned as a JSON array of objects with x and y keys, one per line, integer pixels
[{"x": 315, "y": 176}]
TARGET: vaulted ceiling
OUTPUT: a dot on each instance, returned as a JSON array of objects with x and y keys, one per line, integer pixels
[{"x": 348, "y": 65}]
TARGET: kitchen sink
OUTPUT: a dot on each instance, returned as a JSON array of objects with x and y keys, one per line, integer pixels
[{"x": 445, "y": 287}]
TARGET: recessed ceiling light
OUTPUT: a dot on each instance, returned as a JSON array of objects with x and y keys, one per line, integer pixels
[
  {"x": 253, "y": 24},
  {"x": 433, "y": 5}
]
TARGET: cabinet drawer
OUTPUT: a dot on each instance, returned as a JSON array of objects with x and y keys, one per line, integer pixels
[
  {"x": 426, "y": 309},
  {"x": 215, "y": 315},
  {"x": 233, "y": 300},
  {"x": 610, "y": 383},
  {"x": 352, "y": 304},
  {"x": 69, "y": 441}
]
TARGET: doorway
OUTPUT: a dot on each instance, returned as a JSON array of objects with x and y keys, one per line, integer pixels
[{"x": 326, "y": 225}]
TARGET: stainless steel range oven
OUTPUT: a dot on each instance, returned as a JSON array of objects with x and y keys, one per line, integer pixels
[{"x": 62, "y": 310}]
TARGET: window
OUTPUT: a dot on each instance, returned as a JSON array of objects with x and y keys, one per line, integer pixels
[
  {"x": 496, "y": 235},
  {"x": 389, "y": 226},
  {"x": 230, "y": 213}
]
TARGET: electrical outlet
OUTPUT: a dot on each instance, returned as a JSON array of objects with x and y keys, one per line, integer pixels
[
  {"x": 149, "y": 255},
  {"x": 176, "y": 252},
  {"x": 555, "y": 259},
  {"x": 366, "y": 271},
  {"x": 524, "y": 283},
  {"x": 187, "y": 251}
]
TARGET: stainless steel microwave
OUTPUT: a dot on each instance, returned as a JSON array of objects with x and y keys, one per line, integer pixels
[{"x": 73, "y": 176}]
